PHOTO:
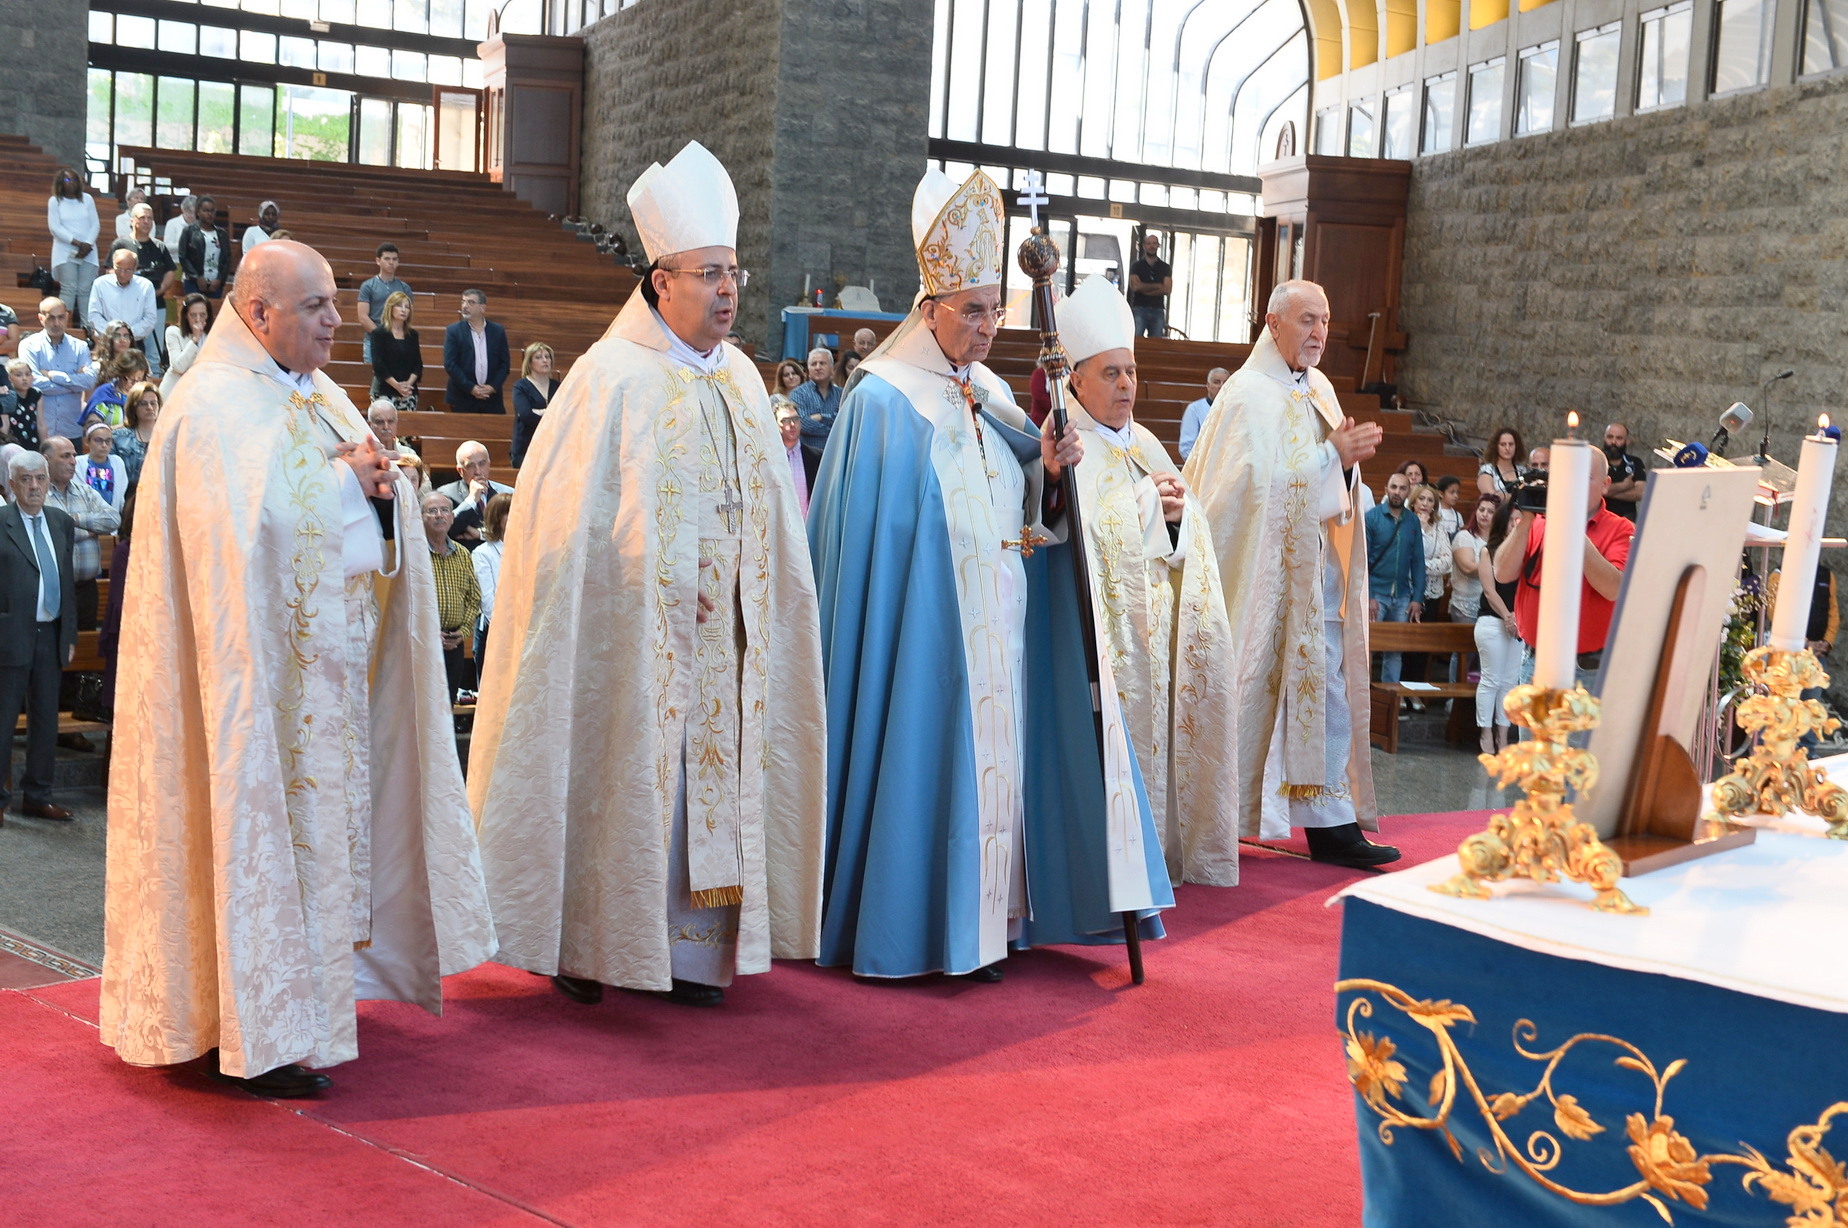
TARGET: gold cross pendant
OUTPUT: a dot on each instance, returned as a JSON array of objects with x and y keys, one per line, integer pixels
[{"x": 1030, "y": 540}]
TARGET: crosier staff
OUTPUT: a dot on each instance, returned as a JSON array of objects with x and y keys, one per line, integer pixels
[{"x": 1039, "y": 260}]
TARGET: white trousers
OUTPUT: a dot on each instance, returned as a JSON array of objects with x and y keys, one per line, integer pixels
[{"x": 1500, "y": 653}]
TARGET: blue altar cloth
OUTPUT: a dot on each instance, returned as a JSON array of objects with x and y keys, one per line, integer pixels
[{"x": 1746, "y": 1072}]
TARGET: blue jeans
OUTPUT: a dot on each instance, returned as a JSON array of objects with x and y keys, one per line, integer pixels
[
  {"x": 1150, "y": 321},
  {"x": 1393, "y": 610}
]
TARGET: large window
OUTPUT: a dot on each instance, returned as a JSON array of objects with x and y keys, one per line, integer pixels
[
  {"x": 1360, "y": 129},
  {"x": 1401, "y": 123},
  {"x": 1594, "y": 73},
  {"x": 1536, "y": 85},
  {"x": 1485, "y": 100},
  {"x": 1825, "y": 36},
  {"x": 1153, "y": 114},
  {"x": 1742, "y": 44},
  {"x": 1328, "y": 132},
  {"x": 1440, "y": 111},
  {"x": 284, "y": 78},
  {"x": 1662, "y": 70}
]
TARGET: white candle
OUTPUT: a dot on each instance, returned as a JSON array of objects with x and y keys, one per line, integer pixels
[
  {"x": 1562, "y": 566},
  {"x": 1809, "y": 507},
  {"x": 805, "y": 286}
]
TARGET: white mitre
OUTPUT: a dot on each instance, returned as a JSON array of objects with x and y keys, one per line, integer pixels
[
  {"x": 687, "y": 204},
  {"x": 1095, "y": 318},
  {"x": 957, "y": 232}
]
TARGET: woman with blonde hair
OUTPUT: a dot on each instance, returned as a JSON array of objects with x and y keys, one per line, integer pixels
[
  {"x": 397, "y": 359},
  {"x": 531, "y": 395}
]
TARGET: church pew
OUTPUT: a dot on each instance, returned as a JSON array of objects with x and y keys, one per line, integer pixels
[{"x": 1456, "y": 641}]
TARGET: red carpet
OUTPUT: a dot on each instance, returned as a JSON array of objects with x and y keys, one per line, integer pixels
[{"x": 1214, "y": 1094}]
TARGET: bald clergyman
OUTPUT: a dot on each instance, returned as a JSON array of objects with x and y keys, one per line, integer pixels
[
  {"x": 1277, "y": 468},
  {"x": 288, "y": 830}
]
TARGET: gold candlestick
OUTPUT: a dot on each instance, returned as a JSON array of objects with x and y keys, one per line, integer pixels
[
  {"x": 1540, "y": 838},
  {"x": 1777, "y": 777}
]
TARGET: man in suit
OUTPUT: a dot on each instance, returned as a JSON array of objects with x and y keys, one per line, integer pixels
[
  {"x": 38, "y": 622},
  {"x": 476, "y": 357}
]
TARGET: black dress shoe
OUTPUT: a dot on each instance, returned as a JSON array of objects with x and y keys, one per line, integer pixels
[
  {"x": 578, "y": 989},
  {"x": 692, "y": 993},
  {"x": 282, "y": 1083},
  {"x": 75, "y": 741},
  {"x": 1346, "y": 846},
  {"x": 44, "y": 810},
  {"x": 987, "y": 974}
]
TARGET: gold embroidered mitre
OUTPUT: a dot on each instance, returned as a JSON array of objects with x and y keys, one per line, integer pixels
[{"x": 957, "y": 232}]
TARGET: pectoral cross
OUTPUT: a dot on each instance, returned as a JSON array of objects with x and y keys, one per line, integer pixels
[
  {"x": 730, "y": 506},
  {"x": 1034, "y": 196},
  {"x": 1030, "y": 540}
]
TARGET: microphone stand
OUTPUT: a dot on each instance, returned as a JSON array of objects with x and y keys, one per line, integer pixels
[
  {"x": 1764, "y": 397},
  {"x": 1039, "y": 259}
]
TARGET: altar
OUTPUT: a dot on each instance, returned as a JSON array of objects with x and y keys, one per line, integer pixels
[{"x": 1525, "y": 1060}]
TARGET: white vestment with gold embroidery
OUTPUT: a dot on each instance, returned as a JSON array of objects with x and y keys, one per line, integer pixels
[
  {"x": 650, "y": 790},
  {"x": 1162, "y": 620},
  {"x": 288, "y": 830},
  {"x": 1284, "y": 526}
]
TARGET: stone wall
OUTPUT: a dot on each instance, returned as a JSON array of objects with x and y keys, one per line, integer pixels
[
  {"x": 44, "y": 91},
  {"x": 661, "y": 74},
  {"x": 852, "y": 122},
  {"x": 816, "y": 107},
  {"x": 1653, "y": 269}
]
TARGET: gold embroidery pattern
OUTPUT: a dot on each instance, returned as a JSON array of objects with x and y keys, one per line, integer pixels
[
  {"x": 305, "y": 468},
  {"x": 1304, "y": 667},
  {"x": 962, "y": 248},
  {"x": 1814, "y": 1186},
  {"x": 671, "y": 428}
]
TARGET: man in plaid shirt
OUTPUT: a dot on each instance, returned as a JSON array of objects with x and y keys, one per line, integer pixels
[{"x": 458, "y": 592}]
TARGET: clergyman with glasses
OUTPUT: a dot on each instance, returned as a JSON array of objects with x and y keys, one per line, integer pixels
[
  {"x": 962, "y": 761},
  {"x": 649, "y": 746}
]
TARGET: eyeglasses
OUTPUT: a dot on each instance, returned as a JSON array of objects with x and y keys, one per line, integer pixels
[
  {"x": 976, "y": 315},
  {"x": 713, "y": 274}
]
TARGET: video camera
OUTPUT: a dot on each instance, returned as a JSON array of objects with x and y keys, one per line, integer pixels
[{"x": 1529, "y": 494}]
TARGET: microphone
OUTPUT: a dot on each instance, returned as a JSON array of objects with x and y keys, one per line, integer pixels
[
  {"x": 1780, "y": 375},
  {"x": 1692, "y": 455},
  {"x": 1736, "y": 418}
]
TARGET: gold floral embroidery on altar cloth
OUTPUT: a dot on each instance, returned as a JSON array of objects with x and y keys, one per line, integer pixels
[{"x": 1813, "y": 1185}]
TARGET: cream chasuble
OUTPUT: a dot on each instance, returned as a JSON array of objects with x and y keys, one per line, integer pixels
[
  {"x": 287, "y": 825},
  {"x": 650, "y": 790},
  {"x": 1284, "y": 526},
  {"x": 1162, "y": 619}
]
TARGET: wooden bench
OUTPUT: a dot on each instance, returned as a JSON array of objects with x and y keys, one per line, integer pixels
[{"x": 1439, "y": 640}]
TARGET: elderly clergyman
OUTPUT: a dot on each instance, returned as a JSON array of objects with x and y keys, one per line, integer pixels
[
  {"x": 1155, "y": 588},
  {"x": 288, "y": 831},
  {"x": 648, "y": 750},
  {"x": 1277, "y": 468},
  {"x": 968, "y": 810}
]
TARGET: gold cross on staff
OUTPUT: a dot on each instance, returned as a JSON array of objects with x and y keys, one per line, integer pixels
[{"x": 1030, "y": 540}]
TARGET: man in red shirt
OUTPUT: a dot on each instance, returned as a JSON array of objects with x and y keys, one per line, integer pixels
[{"x": 1607, "y": 553}]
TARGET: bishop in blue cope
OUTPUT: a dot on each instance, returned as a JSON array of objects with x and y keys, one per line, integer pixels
[{"x": 968, "y": 808}]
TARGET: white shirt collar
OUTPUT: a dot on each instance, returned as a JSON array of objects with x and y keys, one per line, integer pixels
[
  {"x": 1125, "y": 437},
  {"x": 684, "y": 354}
]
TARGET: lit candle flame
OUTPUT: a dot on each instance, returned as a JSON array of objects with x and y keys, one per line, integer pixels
[
  {"x": 1572, "y": 419},
  {"x": 1822, "y": 422}
]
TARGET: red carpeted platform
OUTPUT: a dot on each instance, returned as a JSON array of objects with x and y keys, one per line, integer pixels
[{"x": 1214, "y": 1094}]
